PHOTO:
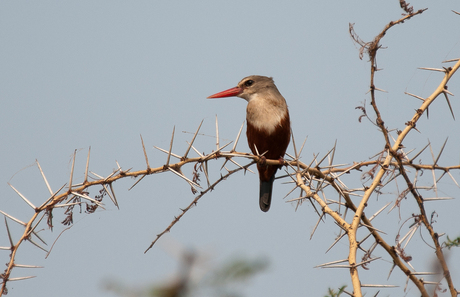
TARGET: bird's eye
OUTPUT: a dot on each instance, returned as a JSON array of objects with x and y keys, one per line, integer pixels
[{"x": 248, "y": 83}]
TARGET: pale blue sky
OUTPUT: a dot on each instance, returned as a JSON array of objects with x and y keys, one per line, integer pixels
[{"x": 75, "y": 74}]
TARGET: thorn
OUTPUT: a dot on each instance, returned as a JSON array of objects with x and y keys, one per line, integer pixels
[
  {"x": 88, "y": 198},
  {"x": 184, "y": 177},
  {"x": 26, "y": 266},
  {"x": 204, "y": 165},
  {"x": 145, "y": 153},
  {"x": 439, "y": 155},
  {"x": 44, "y": 178},
  {"x": 432, "y": 69},
  {"x": 165, "y": 151},
  {"x": 34, "y": 227},
  {"x": 292, "y": 190},
  {"x": 437, "y": 198},
  {"x": 316, "y": 226},
  {"x": 13, "y": 218},
  {"x": 193, "y": 139},
  {"x": 377, "y": 89},
  {"x": 234, "y": 162},
  {"x": 408, "y": 235},
  {"x": 379, "y": 211},
  {"x": 295, "y": 148},
  {"x": 448, "y": 103},
  {"x": 336, "y": 202},
  {"x": 237, "y": 138},
  {"x": 71, "y": 171},
  {"x": 333, "y": 153},
  {"x": 298, "y": 199},
  {"x": 448, "y": 92},
  {"x": 87, "y": 166},
  {"x": 335, "y": 242},
  {"x": 223, "y": 165},
  {"x": 303, "y": 144},
  {"x": 22, "y": 196},
  {"x": 9, "y": 233},
  {"x": 333, "y": 262},
  {"x": 217, "y": 134},
  {"x": 309, "y": 165},
  {"x": 430, "y": 283},
  {"x": 424, "y": 273},
  {"x": 196, "y": 151},
  {"x": 257, "y": 151},
  {"x": 418, "y": 97},
  {"x": 410, "y": 161},
  {"x": 297, "y": 156},
  {"x": 367, "y": 261},
  {"x": 170, "y": 147},
  {"x": 290, "y": 156},
  {"x": 391, "y": 270},
  {"x": 317, "y": 165},
  {"x": 448, "y": 172},
  {"x": 211, "y": 155},
  {"x": 452, "y": 60},
  {"x": 114, "y": 200},
  {"x": 347, "y": 170},
  {"x": 36, "y": 244},
  {"x": 110, "y": 175},
  {"x": 348, "y": 293},
  {"x": 363, "y": 240},
  {"x": 97, "y": 175},
  {"x": 20, "y": 278},
  {"x": 67, "y": 204},
  {"x": 378, "y": 286},
  {"x": 338, "y": 266},
  {"x": 372, "y": 228}
]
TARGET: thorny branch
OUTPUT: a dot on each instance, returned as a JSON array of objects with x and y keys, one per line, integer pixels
[
  {"x": 195, "y": 201},
  {"x": 393, "y": 150},
  {"x": 312, "y": 181},
  {"x": 328, "y": 174}
]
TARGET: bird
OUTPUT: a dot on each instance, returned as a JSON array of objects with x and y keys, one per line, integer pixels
[{"x": 268, "y": 127}]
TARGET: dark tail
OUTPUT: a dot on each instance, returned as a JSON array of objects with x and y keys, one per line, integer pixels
[{"x": 265, "y": 198}]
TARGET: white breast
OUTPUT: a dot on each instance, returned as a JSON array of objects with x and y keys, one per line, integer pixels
[{"x": 265, "y": 113}]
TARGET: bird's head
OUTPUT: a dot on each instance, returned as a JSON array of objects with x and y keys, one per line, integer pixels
[{"x": 248, "y": 87}]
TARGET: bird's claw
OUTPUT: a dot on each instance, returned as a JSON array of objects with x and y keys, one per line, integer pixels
[
  {"x": 262, "y": 160},
  {"x": 281, "y": 160}
]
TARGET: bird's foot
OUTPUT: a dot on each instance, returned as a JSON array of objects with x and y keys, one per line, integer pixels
[
  {"x": 281, "y": 160},
  {"x": 262, "y": 160}
]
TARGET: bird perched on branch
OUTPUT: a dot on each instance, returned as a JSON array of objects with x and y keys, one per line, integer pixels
[{"x": 268, "y": 127}]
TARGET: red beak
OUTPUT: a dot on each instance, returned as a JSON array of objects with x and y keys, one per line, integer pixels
[{"x": 227, "y": 93}]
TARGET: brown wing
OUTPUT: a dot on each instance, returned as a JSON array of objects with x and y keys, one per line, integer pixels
[{"x": 275, "y": 144}]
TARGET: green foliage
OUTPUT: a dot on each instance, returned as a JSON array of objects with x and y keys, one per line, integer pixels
[
  {"x": 452, "y": 243},
  {"x": 332, "y": 293},
  {"x": 222, "y": 281},
  {"x": 239, "y": 270}
]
